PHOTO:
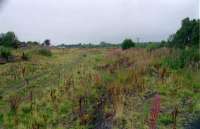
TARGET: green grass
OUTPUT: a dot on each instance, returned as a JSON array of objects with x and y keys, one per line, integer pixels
[{"x": 79, "y": 88}]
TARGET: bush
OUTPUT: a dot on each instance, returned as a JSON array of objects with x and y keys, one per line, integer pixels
[
  {"x": 127, "y": 43},
  {"x": 8, "y": 39},
  {"x": 45, "y": 52},
  {"x": 189, "y": 55},
  {"x": 172, "y": 63},
  {"x": 184, "y": 58},
  {"x": 5, "y": 52}
]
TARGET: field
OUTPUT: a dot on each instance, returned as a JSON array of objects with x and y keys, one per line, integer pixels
[{"x": 99, "y": 89}]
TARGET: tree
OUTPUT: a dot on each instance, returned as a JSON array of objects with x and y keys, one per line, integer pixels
[
  {"x": 47, "y": 42},
  {"x": 33, "y": 43},
  {"x": 187, "y": 35},
  {"x": 127, "y": 43},
  {"x": 151, "y": 46},
  {"x": 9, "y": 39}
]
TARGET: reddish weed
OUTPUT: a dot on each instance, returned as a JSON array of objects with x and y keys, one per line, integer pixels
[{"x": 155, "y": 109}]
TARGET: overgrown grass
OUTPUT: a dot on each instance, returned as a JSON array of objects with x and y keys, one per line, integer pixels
[
  {"x": 45, "y": 52},
  {"x": 90, "y": 88},
  {"x": 182, "y": 58}
]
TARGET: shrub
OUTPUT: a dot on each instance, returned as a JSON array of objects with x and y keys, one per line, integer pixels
[
  {"x": 5, "y": 52},
  {"x": 45, "y": 52},
  {"x": 127, "y": 43},
  {"x": 184, "y": 58},
  {"x": 173, "y": 63},
  {"x": 9, "y": 39},
  {"x": 189, "y": 55}
]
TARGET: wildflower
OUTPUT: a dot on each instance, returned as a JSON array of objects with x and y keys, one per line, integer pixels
[{"x": 155, "y": 109}]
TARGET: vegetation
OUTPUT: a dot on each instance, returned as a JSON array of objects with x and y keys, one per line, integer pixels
[
  {"x": 5, "y": 52},
  {"x": 187, "y": 35},
  {"x": 44, "y": 52},
  {"x": 8, "y": 39},
  {"x": 101, "y": 45},
  {"x": 91, "y": 88},
  {"x": 25, "y": 56},
  {"x": 127, "y": 43},
  {"x": 183, "y": 58},
  {"x": 154, "y": 85}
]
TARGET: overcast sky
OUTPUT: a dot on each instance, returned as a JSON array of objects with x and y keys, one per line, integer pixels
[{"x": 74, "y": 21}]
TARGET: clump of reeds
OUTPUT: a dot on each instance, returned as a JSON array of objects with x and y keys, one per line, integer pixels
[
  {"x": 23, "y": 70},
  {"x": 54, "y": 98},
  {"x": 116, "y": 94}
]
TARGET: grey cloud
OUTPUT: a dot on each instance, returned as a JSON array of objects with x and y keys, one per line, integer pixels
[
  {"x": 1, "y": 3},
  {"x": 74, "y": 21}
]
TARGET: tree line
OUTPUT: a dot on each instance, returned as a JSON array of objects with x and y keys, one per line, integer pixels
[
  {"x": 10, "y": 40},
  {"x": 187, "y": 35}
]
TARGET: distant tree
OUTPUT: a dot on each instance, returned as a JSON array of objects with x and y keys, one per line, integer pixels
[
  {"x": 152, "y": 46},
  {"x": 33, "y": 43},
  {"x": 163, "y": 43},
  {"x": 127, "y": 43},
  {"x": 104, "y": 44},
  {"x": 47, "y": 42},
  {"x": 9, "y": 39}
]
